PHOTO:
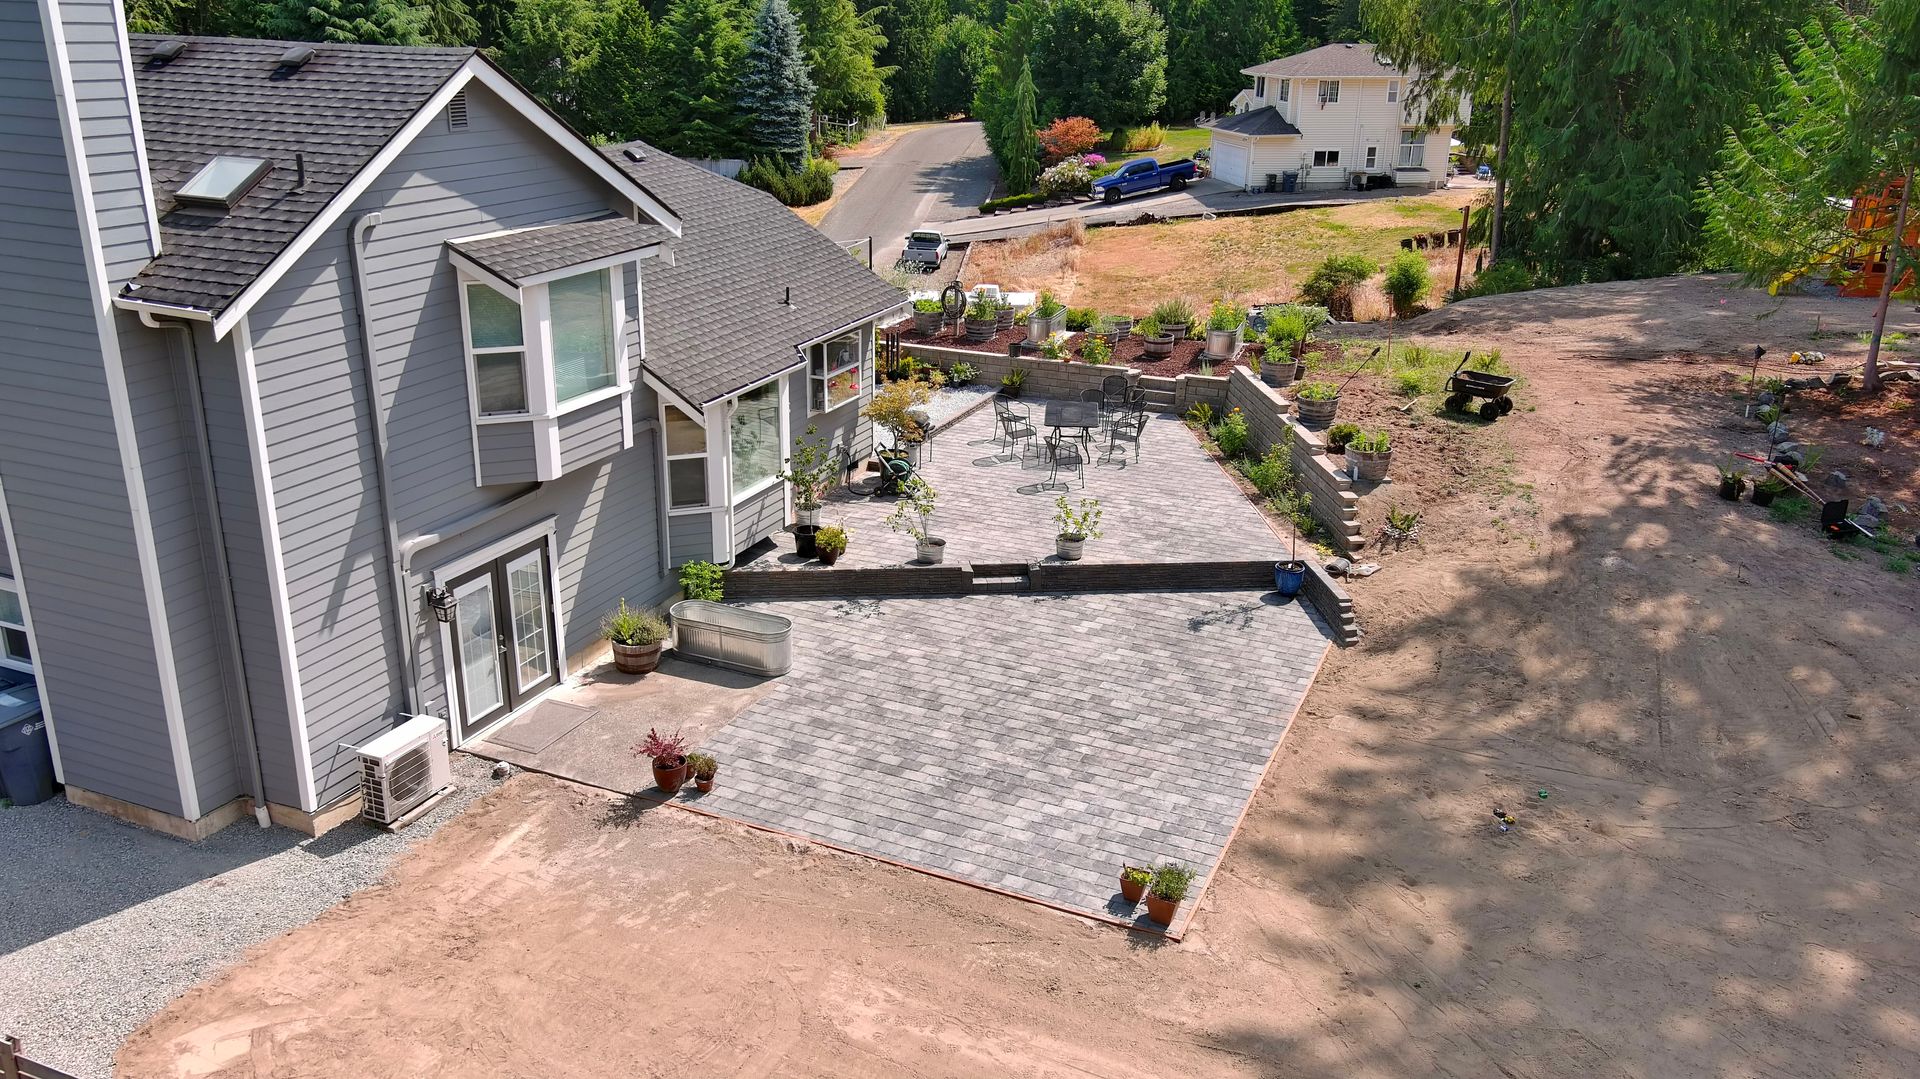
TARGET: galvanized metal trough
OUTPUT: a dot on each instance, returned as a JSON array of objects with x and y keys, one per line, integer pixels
[{"x": 754, "y": 642}]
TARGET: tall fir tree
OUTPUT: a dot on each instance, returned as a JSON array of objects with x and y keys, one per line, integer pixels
[
  {"x": 549, "y": 44},
  {"x": 620, "y": 88},
  {"x": 700, "y": 47},
  {"x": 1209, "y": 42},
  {"x": 912, "y": 29},
  {"x": 841, "y": 46},
  {"x": 366, "y": 22},
  {"x": 1022, "y": 156},
  {"x": 450, "y": 22},
  {"x": 775, "y": 91}
]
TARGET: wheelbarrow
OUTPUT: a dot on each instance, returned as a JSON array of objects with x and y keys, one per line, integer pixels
[{"x": 1465, "y": 387}]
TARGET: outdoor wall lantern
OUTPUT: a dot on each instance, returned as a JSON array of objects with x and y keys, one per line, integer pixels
[{"x": 442, "y": 602}]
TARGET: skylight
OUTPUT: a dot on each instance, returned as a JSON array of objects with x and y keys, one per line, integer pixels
[{"x": 223, "y": 181}]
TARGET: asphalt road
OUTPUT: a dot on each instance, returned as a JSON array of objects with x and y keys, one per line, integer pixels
[{"x": 939, "y": 173}]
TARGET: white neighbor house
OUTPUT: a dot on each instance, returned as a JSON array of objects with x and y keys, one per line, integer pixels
[{"x": 1329, "y": 114}]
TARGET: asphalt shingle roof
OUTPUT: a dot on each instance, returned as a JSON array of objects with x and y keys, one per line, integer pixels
[
  {"x": 1262, "y": 121},
  {"x": 515, "y": 256},
  {"x": 716, "y": 320},
  {"x": 1339, "y": 60},
  {"x": 225, "y": 96}
]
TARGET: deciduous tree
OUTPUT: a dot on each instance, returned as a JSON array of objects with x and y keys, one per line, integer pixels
[{"x": 841, "y": 45}]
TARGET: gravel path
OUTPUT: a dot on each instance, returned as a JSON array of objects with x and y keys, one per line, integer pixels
[{"x": 102, "y": 923}]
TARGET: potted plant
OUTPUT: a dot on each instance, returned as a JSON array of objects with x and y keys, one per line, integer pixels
[
  {"x": 1078, "y": 524},
  {"x": 981, "y": 320},
  {"x": 1175, "y": 317},
  {"x": 962, "y": 373},
  {"x": 806, "y": 540},
  {"x": 704, "y": 768},
  {"x": 810, "y": 473},
  {"x": 1013, "y": 382},
  {"x": 1286, "y": 333},
  {"x": 1156, "y": 341},
  {"x": 897, "y": 408},
  {"x": 1004, "y": 313},
  {"x": 1048, "y": 317},
  {"x": 636, "y": 636},
  {"x": 830, "y": 543},
  {"x": 1373, "y": 450},
  {"x": 1339, "y": 435},
  {"x": 1167, "y": 890},
  {"x": 1317, "y": 401},
  {"x": 1224, "y": 323},
  {"x": 1133, "y": 882},
  {"x": 1120, "y": 326},
  {"x": 913, "y": 514},
  {"x": 1096, "y": 348},
  {"x": 1765, "y": 491},
  {"x": 669, "y": 755},
  {"x": 1732, "y": 482},
  {"x": 927, "y": 317}
]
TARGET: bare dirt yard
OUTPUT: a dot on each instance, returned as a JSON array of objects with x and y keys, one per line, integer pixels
[{"x": 1721, "y": 879}]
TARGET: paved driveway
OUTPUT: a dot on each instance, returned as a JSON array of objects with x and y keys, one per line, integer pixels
[
  {"x": 1029, "y": 744},
  {"x": 939, "y": 173}
]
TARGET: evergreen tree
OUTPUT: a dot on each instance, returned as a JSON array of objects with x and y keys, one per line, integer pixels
[
  {"x": 549, "y": 44},
  {"x": 912, "y": 29},
  {"x": 490, "y": 21},
  {"x": 450, "y": 22},
  {"x": 367, "y": 22},
  {"x": 1209, "y": 42},
  {"x": 1105, "y": 59},
  {"x": 841, "y": 45},
  {"x": 775, "y": 91},
  {"x": 620, "y": 87},
  {"x": 960, "y": 61},
  {"x": 700, "y": 48},
  {"x": 1022, "y": 146}
]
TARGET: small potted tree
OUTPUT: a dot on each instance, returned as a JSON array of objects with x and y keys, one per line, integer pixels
[
  {"x": 1317, "y": 402},
  {"x": 1732, "y": 482},
  {"x": 1013, "y": 383},
  {"x": 830, "y": 543},
  {"x": 1049, "y": 316},
  {"x": 704, "y": 768},
  {"x": 913, "y": 514},
  {"x": 927, "y": 317},
  {"x": 1078, "y": 524},
  {"x": 810, "y": 473},
  {"x": 1290, "y": 577},
  {"x": 636, "y": 637},
  {"x": 1168, "y": 889},
  {"x": 1175, "y": 317},
  {"x": 981, "y": 320},
  {"x": 669, "y": 755},
  {"x": 1133, "y": 882},
  {"x": 1157, "y": 341},
  {"x": 1224, "y": 323},
  {"x": 1373, "y": 451}
]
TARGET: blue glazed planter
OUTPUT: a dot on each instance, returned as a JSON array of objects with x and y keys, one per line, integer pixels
[{"x": 1289, "y": 577}]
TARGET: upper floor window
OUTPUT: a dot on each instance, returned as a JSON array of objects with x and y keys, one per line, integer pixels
[
  {"x": 1393, "y": 89},
  {"x": 499, "y": 351},
  {"x": 834, "y": 372},
  {"x": 515, "y": 372},
  {"x": 1260, "y": 86},
  {"x": 1413, "y": 149},
  {"x": 583, "y": 347},
  {"x": 1283, "y": 90},
  {"x": 754, "y": 438},
  {"x": 14, "y": 650},
  {"x": 1329, "y": 91}
]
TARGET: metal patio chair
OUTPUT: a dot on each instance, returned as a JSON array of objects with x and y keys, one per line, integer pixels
[
  {"x": 1113, "y": 393},
  {"x": 1064, "y": 452},
  {"x": 1016, "y": 424},
  {"x": 1125, "y": 428}
]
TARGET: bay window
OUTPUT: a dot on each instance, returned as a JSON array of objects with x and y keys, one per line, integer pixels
[
  {"x": 686, "y": 460},
  {"x": 834, "y": 372},
  {"x": 1413, "y": 149},
  {"x": 519, "y": 372},
  {"x": 494, "y": 337},
  {"x": 754, "y": 438},
  {"x": 583, "y": 327}
]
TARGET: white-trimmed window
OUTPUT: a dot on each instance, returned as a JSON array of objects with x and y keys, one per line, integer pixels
[
  {"x": 518, "y": 373},
  {"x": 1260, "y": 86},
  {"x": 686, "y": 461},
  {"x": 753, "y": 438},
  {"x": 14, "y": 649},
  {"x": 1393, "y": 89},
  {"x": 1329, "y": 91},
  {"x": 1283, "y": 90},
  {"x": 1323, "y": 159},
  {"x": 1373, "y": 156},
  {"x": 584, "y": 351},
  {"x": 498, "y": 351},
  {"x": 833, "y": 371},
  {"x": 1413, "y": 149}
]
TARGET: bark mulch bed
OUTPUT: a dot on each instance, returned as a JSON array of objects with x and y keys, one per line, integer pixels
[{"x": 1131, "y": 352}]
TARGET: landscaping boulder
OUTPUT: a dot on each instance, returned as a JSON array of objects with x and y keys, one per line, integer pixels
[
  {"x": 1874, "y": 506},
  {"x": 1766, "y": 398},
  {"x": 1837, "y": 478},
  {"x": 1776, "y": 432}
]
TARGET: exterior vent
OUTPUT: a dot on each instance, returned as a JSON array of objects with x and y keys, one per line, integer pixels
[
  {"x": 403, "y": 770},
  {"x": 634, "y": 154},
  {"x": 167, "y": 51},
  {"x": 457, "y": 111},
  {"x": 294, "y": 59}
]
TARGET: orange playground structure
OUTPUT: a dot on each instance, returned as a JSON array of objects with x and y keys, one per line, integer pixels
[{"x": 1859, "y": 265}]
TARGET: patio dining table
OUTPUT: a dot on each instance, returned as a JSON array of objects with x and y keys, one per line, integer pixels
[{"x": 1082, "y": 414}]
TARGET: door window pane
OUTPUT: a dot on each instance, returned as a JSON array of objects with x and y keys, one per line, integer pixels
[
  {"x": 493, "y": 320},
  {"x": 583, "y": 354},
  {"x": 500, "y": 378},
  {"x": 687, "y": 479},
  {"x": 683, "y": 435},
  {"x": 479, "y": 648},
  {"x": 756, "y": 437},
  {"x": 527, "y": 602}
]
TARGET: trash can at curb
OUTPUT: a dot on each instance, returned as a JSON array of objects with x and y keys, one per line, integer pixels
[{"x": 26, "y": 761}]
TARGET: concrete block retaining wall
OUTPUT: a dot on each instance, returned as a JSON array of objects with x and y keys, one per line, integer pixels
[
  {"x": 1333, "y": 502},
  {"x": 1045, "y": 378}
]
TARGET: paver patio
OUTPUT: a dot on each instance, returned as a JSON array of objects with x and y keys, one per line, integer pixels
[
  {"x": 1032, "y": 744},
  {"x": 1174, "y": 504}
]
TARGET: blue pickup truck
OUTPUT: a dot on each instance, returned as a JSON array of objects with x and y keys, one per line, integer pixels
[{"x": 1145, "y": 174}]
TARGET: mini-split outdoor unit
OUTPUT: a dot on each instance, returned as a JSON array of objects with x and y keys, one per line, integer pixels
[{"x": 402, "y": 770}]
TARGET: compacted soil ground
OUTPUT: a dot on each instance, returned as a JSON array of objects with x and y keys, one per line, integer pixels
[{"x": 1701, "y": 720}]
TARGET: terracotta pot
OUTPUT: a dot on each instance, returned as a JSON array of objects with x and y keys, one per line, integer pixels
[
  {"x": 1132, "y": 891},
  {"x": 1162, "y": 910},
  {"x": 636, "y": 658},
  {"x": 704, "y": 786},
  {"x": 670, "y": 780},
  {"x": 828, "y": 558}
]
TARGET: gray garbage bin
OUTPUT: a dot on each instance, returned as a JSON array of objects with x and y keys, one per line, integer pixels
[
  {"x": 26, "y": 761},
  {"x": 1289, "y": 182}
]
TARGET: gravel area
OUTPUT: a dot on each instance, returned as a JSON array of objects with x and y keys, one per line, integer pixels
[{"x": 103, "y": 923}]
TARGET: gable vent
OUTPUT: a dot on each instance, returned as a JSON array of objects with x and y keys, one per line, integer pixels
[{"x": 457, "y": 111}]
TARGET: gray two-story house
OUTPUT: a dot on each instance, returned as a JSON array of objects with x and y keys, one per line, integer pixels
[{"x": 297, "y": 338}]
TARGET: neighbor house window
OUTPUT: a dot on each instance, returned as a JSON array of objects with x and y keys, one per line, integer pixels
[
  {"x": 1393, "y": 89},
  {"x": 1260, "y": 86},
  {"x": 1329, "y": 91},
  {"x": 754, "y": 437},
  {"x": 686, "y": 461},
  {"x": 1325, "y": 158},
  {"x": 1283, "y": 90},
  {"x": 14, "y": 650},
  {"x": 1373, "y": 156},
  {"x": 1413, "y": 149},
  {"x": 834, "y": 371},
  {"x": 499, "y": 351},
  {"x": 583, "y": 346}
]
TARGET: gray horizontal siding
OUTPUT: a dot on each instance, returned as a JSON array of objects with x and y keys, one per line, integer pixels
[
  {"x": 67, "y": 493},
  {"x": 6, "y": 558},
  {"x": 589, "y": 434},
  {"x": 758, "y": 517},
  {"x": 506, "y": 453},
  {"x": 690, "y": 538},
  {"x": 103, "y": 100}
]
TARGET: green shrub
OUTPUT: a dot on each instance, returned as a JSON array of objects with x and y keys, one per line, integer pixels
[
  {"x": 1316, "y": 391},
  {"x": 1406, "y": 282},
  {"x": 928, "y": 307},
  {"x": 1331, "y": 284},
  {"x": 1501, "y": 277},
  {"x": 701, "y": 580},
  {"x": 1286, "y": 330},
  {"x": 1096, "y": 350},
  {"x": 1171, "y": 881},
  {"x": 1271, "y": 474},
  {"x": 1200, "y": 415},
  {"x": 1409, "y": 383},
  {"x": 1072, "y": 177},
  {"x": 1232, "y": 435},
  {"x": 810, "y": 184},
  {"x": 1011, "y": 202},
  {"x": 1340, "y": 434},
  {"x": 962, "y": 373},
  {"x": 1135, "y": 140},
  {"x": 1081, "y": 318},
  {"x": 1046, "y": 305},
  {"x": 1173, "y": 314},
  {"x": 1226, "y": 316},
  {"x": 1372, "y": 441},
  {"x": 627, "y": 625}
]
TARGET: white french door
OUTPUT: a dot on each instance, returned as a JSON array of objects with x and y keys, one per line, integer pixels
[{"x": 503, "y": 636}]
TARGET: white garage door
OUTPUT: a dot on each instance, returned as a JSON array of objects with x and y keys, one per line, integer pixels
[{"x": 1230, "y": 160}]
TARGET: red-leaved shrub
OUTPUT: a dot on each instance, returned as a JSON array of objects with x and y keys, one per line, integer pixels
[{"x": 1066, "y": 137}]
